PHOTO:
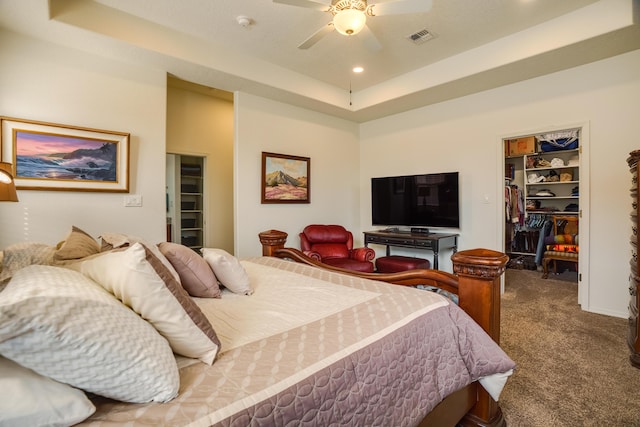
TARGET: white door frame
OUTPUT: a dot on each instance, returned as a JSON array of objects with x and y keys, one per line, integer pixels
[{"x": 583, "y": 256}]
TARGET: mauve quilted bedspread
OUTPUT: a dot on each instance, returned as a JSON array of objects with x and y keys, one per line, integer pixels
[{"x": 384, "y": 361}]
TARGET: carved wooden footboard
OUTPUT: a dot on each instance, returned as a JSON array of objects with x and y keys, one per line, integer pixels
[{"x": 476, "y": 282}]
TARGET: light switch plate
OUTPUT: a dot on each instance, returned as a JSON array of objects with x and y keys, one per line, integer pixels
[{"x": 133, "y": 200}]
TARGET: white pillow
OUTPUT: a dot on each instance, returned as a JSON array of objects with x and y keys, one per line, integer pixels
[
  {"x": 64, "y": 326},
  {"x": 29, "y": 399},
  {"x": 138, "y": 279},
  {"x": 228, "y": 270}
]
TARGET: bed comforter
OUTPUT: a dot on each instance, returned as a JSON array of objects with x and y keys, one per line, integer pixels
[{"x": 313, "y": 347}]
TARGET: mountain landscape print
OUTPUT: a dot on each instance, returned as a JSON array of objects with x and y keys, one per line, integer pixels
[
  {"x": 62, "y": 157},
  {"x": 285, "y": 179}
]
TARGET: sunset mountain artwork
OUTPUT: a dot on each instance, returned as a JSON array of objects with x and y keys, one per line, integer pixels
[
  {"x": 50, "y": 156},
  {"x": 285, "y": 179}
]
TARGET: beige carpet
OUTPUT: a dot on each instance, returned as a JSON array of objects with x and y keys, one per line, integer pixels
[{"x": 573, "y": 366}]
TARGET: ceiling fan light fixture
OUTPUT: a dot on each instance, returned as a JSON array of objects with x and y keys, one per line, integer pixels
[{"x": 349, "y": 21}]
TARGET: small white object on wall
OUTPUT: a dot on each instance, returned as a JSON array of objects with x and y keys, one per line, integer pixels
[{"x": 133, "y": 200}]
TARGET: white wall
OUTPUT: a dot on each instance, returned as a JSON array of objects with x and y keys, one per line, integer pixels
[
  {"x": 463, "y": 135},
  {"x": 332, "y": 146},
  {"x": 41, "y": 81}
]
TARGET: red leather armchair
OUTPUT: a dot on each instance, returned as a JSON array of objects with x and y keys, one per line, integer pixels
[{"x": 333, "y": 245}]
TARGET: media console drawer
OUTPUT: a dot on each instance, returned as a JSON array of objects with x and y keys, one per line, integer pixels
[
  {"x": 432, "y": 241},
  {"x": 391, "y": 241}
]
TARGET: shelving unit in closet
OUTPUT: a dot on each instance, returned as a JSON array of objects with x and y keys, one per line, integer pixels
[
  {"x": 542, "y": 178},
  {"x": 185, "y": 199}
]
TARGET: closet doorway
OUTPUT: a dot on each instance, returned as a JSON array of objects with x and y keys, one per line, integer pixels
[{"x": 545, "y": 175}]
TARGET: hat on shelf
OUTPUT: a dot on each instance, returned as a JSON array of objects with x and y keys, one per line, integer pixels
[
  {"x": 533, "y": 178},
  {"x": 574, "y": 160},
  {"x": 542, "y": 163},
  {"x": 545, "y": 193},
  {"x": 557, "y": 162},
  {"x": 566, "y": 176},
  {"x": 532, "y": 204},
  {"x": 553, "y": 177}
]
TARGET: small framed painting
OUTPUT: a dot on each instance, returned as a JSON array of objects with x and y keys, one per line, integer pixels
[
  {"x": 48, "y": 156},
  {"x": 285, "y": 179}
]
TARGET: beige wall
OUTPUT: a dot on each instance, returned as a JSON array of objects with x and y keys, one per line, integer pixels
[
  {"x": 198, "y": 124},
  {"x": 41, "y": 81},
  {"x": 46, "y": 82},
  {"x": 464, "y": 135},
  {"x": 332, "y": 146}
]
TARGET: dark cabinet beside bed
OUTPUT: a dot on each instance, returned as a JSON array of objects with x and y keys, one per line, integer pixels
[{"x": 634, "y": 279}]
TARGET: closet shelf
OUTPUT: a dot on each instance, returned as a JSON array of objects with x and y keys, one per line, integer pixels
[
  {"x": 552, "y": 197},
  {"x": 543, "y": 183}
]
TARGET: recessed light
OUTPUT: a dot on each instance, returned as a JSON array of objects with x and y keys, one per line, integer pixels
[{"x": 358, "y": 69}]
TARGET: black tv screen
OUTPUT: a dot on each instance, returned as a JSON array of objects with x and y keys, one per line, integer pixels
[{"x": 427, "y": 200}]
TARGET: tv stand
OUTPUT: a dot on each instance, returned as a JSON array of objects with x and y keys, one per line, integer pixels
[
  {"x": 427, "y": 241},
  {"x": 419, "y": 230}
]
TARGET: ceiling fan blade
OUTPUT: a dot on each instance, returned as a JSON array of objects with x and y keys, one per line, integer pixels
[
  {"x": 322, "y": 5},
  {"x": 369, "y": 39},
  {"x": 401, "y": 7},
  {"x": 315, "y": 37}
]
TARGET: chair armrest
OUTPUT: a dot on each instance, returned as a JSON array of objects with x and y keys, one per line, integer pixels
[
  {"x": 313, "y": 255},
  {"x": 363, "y": 254}
]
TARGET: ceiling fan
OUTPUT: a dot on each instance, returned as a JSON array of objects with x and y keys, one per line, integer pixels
[{"x": 350, "y": 16}]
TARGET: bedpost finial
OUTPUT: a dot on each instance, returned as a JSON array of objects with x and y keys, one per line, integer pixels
[
  {"x": 479, "y": 262},
  {"x": 272, "y": 240}
]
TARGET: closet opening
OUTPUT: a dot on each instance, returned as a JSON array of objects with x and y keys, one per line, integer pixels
[{"x": 545, "y": 220}]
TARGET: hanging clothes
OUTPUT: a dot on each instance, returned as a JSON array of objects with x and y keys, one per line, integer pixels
[{"x": 547, "y": 229}]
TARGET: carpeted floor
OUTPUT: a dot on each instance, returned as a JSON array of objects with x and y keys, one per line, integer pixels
[{"x": 573, "y": 366}]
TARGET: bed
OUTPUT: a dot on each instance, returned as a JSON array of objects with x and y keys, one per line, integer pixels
[{"x": 285, "y": 341}]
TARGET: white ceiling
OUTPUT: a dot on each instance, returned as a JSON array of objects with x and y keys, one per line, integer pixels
[{"x": 478, "y": 45}]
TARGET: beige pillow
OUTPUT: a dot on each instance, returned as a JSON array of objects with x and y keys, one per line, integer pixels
[
  {"x": 118, "y": 240},
  {"x": 196, "y": 276},
  {"x": 228, "y": 270},
  {"x": 64, "y": 326},
  {"x": 23, "y": 254},
  {"x": 138, "y": 279},
  {"x": 78, "y": 244}
]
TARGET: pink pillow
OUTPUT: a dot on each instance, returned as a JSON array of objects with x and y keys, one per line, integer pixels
[{"x": 196, "y": 276}]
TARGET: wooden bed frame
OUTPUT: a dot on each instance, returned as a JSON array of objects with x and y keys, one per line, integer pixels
[{"x": 476, "y": 282}]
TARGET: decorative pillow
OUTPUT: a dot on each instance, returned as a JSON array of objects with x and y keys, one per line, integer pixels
[
  {"x": 78, "y": 244},
  {"x": 23, "y": 254},
  {"x": 117, "y": 240},
  {"x": 138, "y": 279},
  {"x": 29, "y": 399},
  {"x": 564, "y": 248},
  {"x": 64, "y": 326},
  {"x": 196, "y": 276},
  {"x": 228, "y": 270}
]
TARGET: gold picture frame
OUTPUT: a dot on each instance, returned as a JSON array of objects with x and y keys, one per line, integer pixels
[
  {"x": 285, "y": 178},
  {"x": 58, "y": 157}
]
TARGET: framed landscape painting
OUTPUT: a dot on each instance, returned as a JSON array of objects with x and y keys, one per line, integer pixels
[
  {"x": 285, "y": 179},
  {"x": 48, "y": 156}
]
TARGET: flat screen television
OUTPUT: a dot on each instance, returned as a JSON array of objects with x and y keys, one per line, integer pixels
[{"x": 427, "y": 200}]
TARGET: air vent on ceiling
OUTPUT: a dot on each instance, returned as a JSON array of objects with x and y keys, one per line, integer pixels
[{"x": 421, "y": 36}]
